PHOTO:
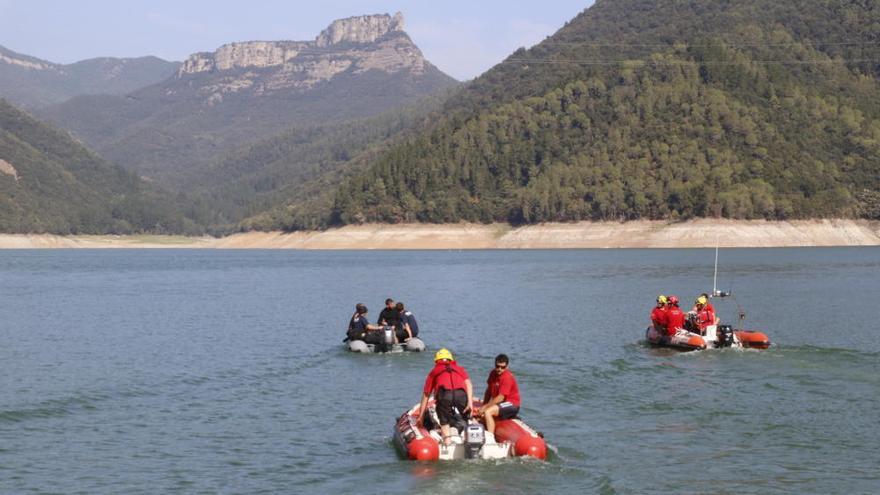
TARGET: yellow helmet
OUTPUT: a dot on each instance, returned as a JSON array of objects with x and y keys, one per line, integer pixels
[
  {"x": 443, "y": 354},
  {"x": 661, "y": 299},
  {"x": 702, "y": 300}
]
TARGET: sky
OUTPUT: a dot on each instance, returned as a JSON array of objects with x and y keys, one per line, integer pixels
[{"x": 463, "y": 38}]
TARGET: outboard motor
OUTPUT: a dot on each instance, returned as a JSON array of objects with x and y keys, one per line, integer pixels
[
  {"x": 475, "y": 438},
  {"x": 388, "y": 335},
  {"x": 725, "y": 335}
]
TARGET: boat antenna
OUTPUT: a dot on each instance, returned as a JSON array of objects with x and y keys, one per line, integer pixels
[
  {"x": 715, "y": 291},
  {"x": 715, "y": 276}
]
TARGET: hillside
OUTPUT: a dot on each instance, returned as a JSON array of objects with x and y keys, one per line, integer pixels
[
  {"x": 52, "y": 184},
  {"x": 284, "y": 182},
  {"x": 32, "y": 83},
  {"x": 643, "y": 109},
  {"x": 251, "y": 91}
]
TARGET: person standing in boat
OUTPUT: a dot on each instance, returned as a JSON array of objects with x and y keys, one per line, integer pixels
[
  {"x": 452, "y": 389},
  {"x": 359, "y": 328},
  {"x": 389, "y": 316},
  {"x": 501, "y": 399},
  {"x": 675, "y": 317},
  {"x": 407, "y": 326},
  {"x": 658, "y": 315}
]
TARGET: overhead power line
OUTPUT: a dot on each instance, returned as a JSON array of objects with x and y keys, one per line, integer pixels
[
  {"x": 706, "y": 45},
  {"x": 685, "y": 62}
]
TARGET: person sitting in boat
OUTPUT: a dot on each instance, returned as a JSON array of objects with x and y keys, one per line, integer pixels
[
  {"x": 359, "y": 328},
  {"x": 675, "y": 318},
  {"x": 501, "y": 399},
  {"x": 658, "y": 315},
  {"x": 407, "y": 326},
  {"x": 704, "y": 314},
  {"x": 389, "y": 315},
  {"x": 452, "y": 389},
  {"x": 706, "y": 302}
]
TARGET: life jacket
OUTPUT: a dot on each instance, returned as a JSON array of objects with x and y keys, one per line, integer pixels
[
  {"x": 705, "y": 317},
  {"x": 449, "y": 378}
]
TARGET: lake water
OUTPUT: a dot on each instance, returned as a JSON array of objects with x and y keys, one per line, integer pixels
[{"x": 223, "y": 371}]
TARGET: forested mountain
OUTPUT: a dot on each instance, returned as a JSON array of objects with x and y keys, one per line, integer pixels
[
  {"x": 31, "y": 83},
  {"x": 289, "y": 180},
  {"x": 654, "y": 109},
  {"x": 51, "y": 184},
  {"x": 246, "y": 92}
]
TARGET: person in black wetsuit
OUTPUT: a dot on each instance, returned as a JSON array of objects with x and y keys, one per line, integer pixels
[{"x": 389, "y": 315}]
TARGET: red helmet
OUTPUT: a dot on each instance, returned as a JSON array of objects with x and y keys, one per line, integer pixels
[{"x": 673, "y": 300}]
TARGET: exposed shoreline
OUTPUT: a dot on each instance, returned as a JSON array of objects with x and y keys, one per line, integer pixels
[{"x": 638, "y": 234}]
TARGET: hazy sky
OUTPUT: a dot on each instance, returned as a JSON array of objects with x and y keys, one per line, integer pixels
[{"x": 463, "y": 38}]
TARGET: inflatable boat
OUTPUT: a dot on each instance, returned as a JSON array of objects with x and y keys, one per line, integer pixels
[
  {"x": 385, "y": 343},
  {"x": 470, "y": 440},
  {"x": 715, "y": 337}
]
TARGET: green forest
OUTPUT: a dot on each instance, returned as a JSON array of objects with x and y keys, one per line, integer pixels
[
  {"x": 62, "y": 188},
  {"x": 758, "y": 123}
]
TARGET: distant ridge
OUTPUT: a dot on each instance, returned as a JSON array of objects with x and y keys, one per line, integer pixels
[{"x": 33, "y": 83}]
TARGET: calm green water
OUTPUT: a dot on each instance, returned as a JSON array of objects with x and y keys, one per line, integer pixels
[{"x": 206, "y": 371}]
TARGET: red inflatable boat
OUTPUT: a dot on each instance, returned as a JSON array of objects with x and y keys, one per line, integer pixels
[
  {"x": 470, "y": 440},
  {"x": 714, "y": 338}
]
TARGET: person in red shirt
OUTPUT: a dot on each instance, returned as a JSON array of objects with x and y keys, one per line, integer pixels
[
  {"x": 502, "y": 394},
  {"x": 674, "y": 316},
  {"x": 451, "y": 387},
  {"x": 658, "y": 315}
]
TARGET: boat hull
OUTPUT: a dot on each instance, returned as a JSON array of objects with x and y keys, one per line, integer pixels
[
  {"x": 413, "y": 345},
  {"x": 512, "y": 438},
  {"x": 681, "y": 341},
  {"x": 752, "y": 339},
  {"x": 687, "y": 341}
]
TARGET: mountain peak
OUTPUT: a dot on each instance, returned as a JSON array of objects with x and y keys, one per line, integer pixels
[{"x": 360, "y": 29}]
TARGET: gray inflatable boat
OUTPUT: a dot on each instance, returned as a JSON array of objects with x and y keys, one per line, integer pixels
[{"x": 412, "y": 345}]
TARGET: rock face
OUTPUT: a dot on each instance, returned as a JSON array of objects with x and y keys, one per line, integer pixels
[
  {"x": 7, "y": 169},
  {"x": 362, "y": 29},
  {"x": 358, "y": 44},
  {"x": 25, "y": 62},
  {"x": 247, "y": 54}
]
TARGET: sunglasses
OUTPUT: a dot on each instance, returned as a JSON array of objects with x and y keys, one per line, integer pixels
[{"x": 501, "y": 366}]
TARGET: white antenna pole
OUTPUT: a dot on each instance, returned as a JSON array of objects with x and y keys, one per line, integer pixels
[{"x": 715, "y": 276}]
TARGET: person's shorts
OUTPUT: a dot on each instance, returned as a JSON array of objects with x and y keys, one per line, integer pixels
[
  {"x": 401, "y": 334},
  {"x": 446, "y": 401},
  {"x": 506, "y": 410}
]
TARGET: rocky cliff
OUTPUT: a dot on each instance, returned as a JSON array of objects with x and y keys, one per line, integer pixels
[
  {"x": 356, "y": 44},
  {"x": 361, "y": 29}
]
